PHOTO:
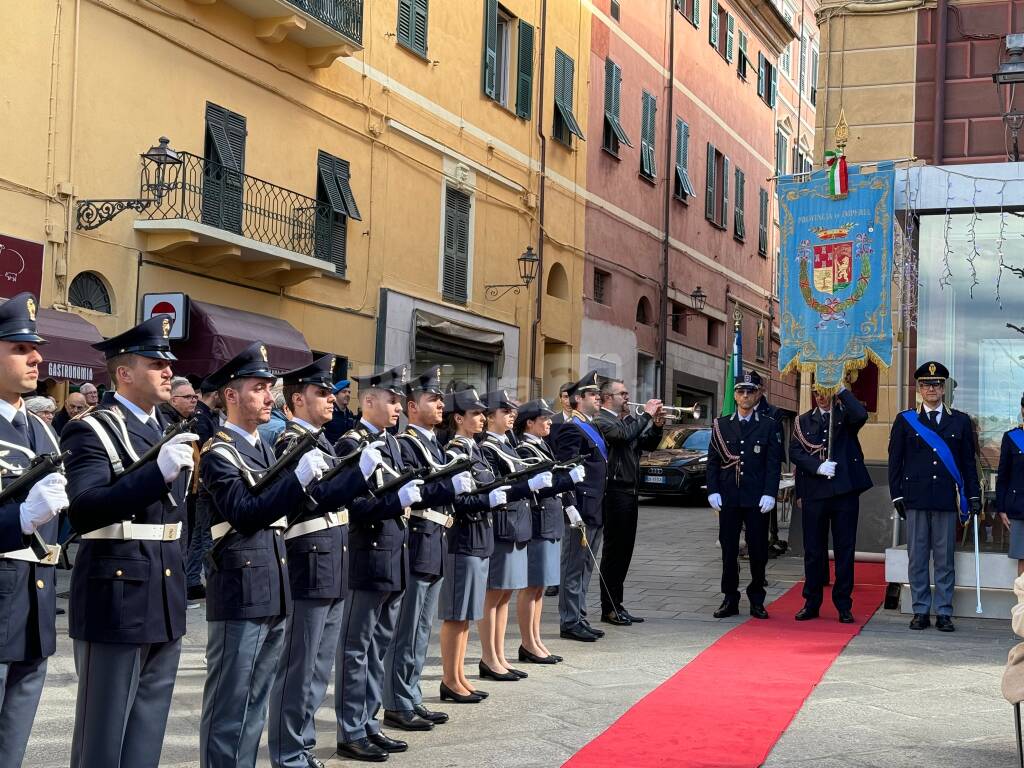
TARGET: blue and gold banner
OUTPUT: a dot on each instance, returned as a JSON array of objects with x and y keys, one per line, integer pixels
[{"x": 834, "y": 273}]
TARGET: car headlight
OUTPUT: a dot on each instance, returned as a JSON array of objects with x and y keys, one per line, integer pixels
[{"x": 702, "y": 460}]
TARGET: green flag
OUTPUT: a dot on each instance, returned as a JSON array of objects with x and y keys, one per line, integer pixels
[{"x": 728, "y": 399}]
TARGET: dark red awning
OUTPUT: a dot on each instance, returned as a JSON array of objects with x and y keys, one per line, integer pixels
[{"x": 68, "y": 354}]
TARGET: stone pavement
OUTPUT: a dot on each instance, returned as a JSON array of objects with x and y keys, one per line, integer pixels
[{"x": 893, "y": 698}]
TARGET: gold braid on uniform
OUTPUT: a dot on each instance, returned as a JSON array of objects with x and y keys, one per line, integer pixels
[
  {"x": 728, "y": 459},
  {"x": 814, "y": 449}
]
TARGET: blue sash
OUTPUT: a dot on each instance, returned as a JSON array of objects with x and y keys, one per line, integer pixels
[
  {"x": 937, "y": 444},
  {"x": 1017, "y": 435},
  {"x": 594, "y": 436}
]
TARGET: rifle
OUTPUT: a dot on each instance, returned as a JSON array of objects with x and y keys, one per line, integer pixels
[
  {"x": 427, "y": 474},
  {"x": 342, "y": 461},
  {"x": 549, "y": 465},
  {"x": 173, "y": 430},
  {"x": 41, "y": 465}
]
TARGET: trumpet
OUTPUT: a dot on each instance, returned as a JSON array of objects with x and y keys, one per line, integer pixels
[{"x": 674, "y": 412}]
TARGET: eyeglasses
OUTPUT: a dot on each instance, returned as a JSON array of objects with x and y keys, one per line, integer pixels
[
  {"x": 186, "y": 397},
  {"x": 929, "y": 385}
]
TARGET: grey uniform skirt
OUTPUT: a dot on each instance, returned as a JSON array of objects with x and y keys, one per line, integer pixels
[
  {"x": 508, "y": 566},
  {"x": 463, "y": 588},
  {"x": 544, "y": 567}
]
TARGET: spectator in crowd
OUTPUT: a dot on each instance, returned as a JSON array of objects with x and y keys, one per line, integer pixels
[
  {"x": 42, "y": 406},
  {"x": 343, "y": 419},
  {"x": 183, "y": 400},
  {"x": 92, "y": 395},
  {"x": 279, "y": 417},
  {"x": 74, "y": 404}
]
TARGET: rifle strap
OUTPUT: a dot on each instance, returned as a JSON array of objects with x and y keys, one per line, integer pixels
[
  {"x": 415, "y": 441},
  {"x": 513, "y": 464},
  {"x": 230, "y": 454},
  {"x": 102, "y": 427}
]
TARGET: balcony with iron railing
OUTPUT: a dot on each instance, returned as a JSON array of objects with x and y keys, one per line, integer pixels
[{"x": 208, "y": 214}]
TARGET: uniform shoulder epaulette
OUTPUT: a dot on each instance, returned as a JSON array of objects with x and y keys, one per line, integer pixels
[
  {"x": 84, "y": 413},
  {"x": 222, "y": 435},
  {"x": 206, "y": 446}
]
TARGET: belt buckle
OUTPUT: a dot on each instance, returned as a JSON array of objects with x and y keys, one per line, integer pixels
[
  {"x": 170, "y": 531},
  {"x": 126, "y": 530},
  {"x": 449, "y": 521},
  {"x": 332, "y": 519},
  {"x": 52, "y": 555}
]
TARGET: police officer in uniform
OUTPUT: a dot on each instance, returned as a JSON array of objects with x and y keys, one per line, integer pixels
[
  {"x": 317, "y": 545},
  {"x": 1010, "y": 489},
  {"x": 28, "y": 600},
  {"x": 744, "y": 470},
  {"x": 248, "y": 595},
  {"x": 924, "y": 492},
  {"x": 378, "y": 573},
  {"x": 829, "y": 487},
  {"x": 407, "y": 653},
  {"x": 127, "y": 610}
]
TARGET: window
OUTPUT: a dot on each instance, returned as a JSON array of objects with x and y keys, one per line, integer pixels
[
  {"x": 335, "y": 192},
  {"x": 88, "y": 291},
  {"x": 557, "y": 284},
  {"x": 716, "y": 196},
  {"x": 412, "y": 25},
  {"x": 714, "y": 332},
  {"x": 499, "y": 28},
  {"x": 767, "y": 80},
  {"x": 678, "y": 318},
  {"x": 690, "y": 10},
  {"x": 602, "y": 282},
  {"x": 648, "y": 110},
  {"x": 781, "y": 145},
  {"x": 762, "y": 222},
  {"x": 722, "y": 28},
  {"x": 455, "y": 267},
  {"x": 814, "y": 77},
  {"x": 613, "y": 131},
  {"x": 504, "y": 43},
  {"x": 739, "y": 227},
  {"x": 683, "y": 186},
  {"x": 224, "y": 150},
  {"x": 643, "y": 311},
  {"x": 615, "y": 9},
  {"x": 760, "y": 348},
  {"x": 785, "y": 60},
  {"x": 565, "y": 124},
  {"x": 741, "y": 61},
  {"x": 802, "y": 67}
]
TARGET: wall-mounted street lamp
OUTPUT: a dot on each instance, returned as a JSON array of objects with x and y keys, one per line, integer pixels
[
  {"x": 528, "y": 262},
  {"x": 1009, "y": 75},
  {"x": 94, "y": 213},
  {"x": 697, "y": 300}
]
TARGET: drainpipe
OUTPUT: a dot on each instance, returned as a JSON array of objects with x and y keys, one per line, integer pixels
[
  {"x": 532, "y": 388},
  {"x": 663, "y": 331},
  {"x": 939, "y": 115}
]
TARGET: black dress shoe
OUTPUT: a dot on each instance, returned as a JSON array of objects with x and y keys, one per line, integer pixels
[
  {"x": 846, "y": 617},
  {"x": 519, "y": 673},
  {"x": 503, "y": 677},
  {"x": 627, "y": 615},
  {"x": 944, "y": 624},
  {"x": 726, "y": 609},
  {"x": 578, "y": 633},
  {"x": 362, "y": 749},
  {"x": 312, "y": 761},
  {"x": 437, "y": 718},
  {"x": 406, "y": 720},
  {"x": 551, "y": 591},
  {"x": 447, "y": 694},
  {"x": 592, "y": 630},
  {"x": 758, "y": 612},
  {"x": 558, "y": 659},
  {"x": 615, "y": 619},
  {"x": 806, "y": 614},
  {"x": 196, "y": 592},
  {"x": 920, "y": 621},
  {"x": 532, "y": 658},
  {"x": 61, "y": 611},
  {"x": 388, "y": 745},
  {"x": 481, "y": 694}
]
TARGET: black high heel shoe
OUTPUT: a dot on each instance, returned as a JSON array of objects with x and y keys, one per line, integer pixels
[
  {"x": 447, "y": 694},
  {"x": 504, "y": 677},
  {"x": 532, "y": 658},
  {"x": 518, "y": 673}
]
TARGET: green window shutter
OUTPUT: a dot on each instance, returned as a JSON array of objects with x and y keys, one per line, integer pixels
[
  {"x": 762, "y": 223},
  {"x": 652, "y": 133},
  {"x": 613, "y": 100},
  {"x": 774, "y": 85},
  {"x": 683, "y": 185},
  {"x": 455, "y": 268},
  {"x": 609, "y": 87},
  {"x": 696, "y": 13},
  {"x": 331, "y": 221},
  {"x": 343, "y": 176},
  {"x": 713, "y": 25},
  {"x": 491, "y": 48},
  {"x": 725, "y": 192},
  {"x": 741, "y": 61},
  {"x": 813, "y": 95},
  {"x": 325, "y": 173},
  {"x": 738, "y": 217},
  {"x": 222, "y": 178},
  {"x": 420, "y": 11},
  {"x": 709, "y": 192},
  {"x": 648, "y": 111},
  {"x": 565, "y": 70},
  {"x": 803, "y": 61},
  {"x": 404, "y": 30},
  {"x": 761, "y": 75},
  {"x": 524, "y": 71},
  {"x": 730, "y": 34}
]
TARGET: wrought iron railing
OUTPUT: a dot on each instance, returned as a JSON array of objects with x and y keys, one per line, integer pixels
[
  {"x": 344, "y": 16},
  {"x": 204, "y": 191}
]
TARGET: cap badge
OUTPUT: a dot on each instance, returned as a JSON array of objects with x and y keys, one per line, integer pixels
[
  {"x": 263, "y": 353},
  {"x": 931, "y": 369},
  {"x": 30, "y": 306},
  {"x": 165, "y": 326},
  {"x": 333, "y": 361}
]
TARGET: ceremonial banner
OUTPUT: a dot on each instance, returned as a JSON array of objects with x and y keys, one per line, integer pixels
[{"x": 834, "y": 272}]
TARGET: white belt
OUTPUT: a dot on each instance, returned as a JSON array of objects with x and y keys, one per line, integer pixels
[
  {"x": 129, "y": 531},
  {"x": 322, "y": 523},
  {"x": 435, "y": 517},
  {"x": 53, "y": 554},
  {"x": 220, "y": 530}
]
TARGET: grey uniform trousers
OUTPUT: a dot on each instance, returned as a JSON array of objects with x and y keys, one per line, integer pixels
[
  {"x": 577, "y": 568},
  {"x": 407, "y": 653},
  {"x": 124, "y": 695},
  {"x": 300, "y": 687},
  {"x": 241, "y": 659},
  {"x": 21, "y": 683},
  {"x": 366, "y": 631},
  {"x": 931, "y": 535}
]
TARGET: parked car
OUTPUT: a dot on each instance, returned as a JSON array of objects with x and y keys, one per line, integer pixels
[{"x": 679, "y": 465}]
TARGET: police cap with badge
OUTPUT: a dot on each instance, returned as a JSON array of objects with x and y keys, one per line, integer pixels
[
  {"x": 320, "y": 372},
  {"x": 499, "y": 400},
  {"x": 392, "y": 380},
  {"x": 591, "y": 382},
  {"x": 532, "y": 409},
  {"x": 750, "y": 380},
  {"x": 250, "y": 363},
  {"x": 463, "y": 401},
  {"x": 18, "y": 320},
  {"x": 150, "y": 338},
  {"x": 428, "y": 382},
  {"x": 931, "y": 372}
]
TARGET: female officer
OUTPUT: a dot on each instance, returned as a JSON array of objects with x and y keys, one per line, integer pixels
[
  {"x": 532, "y": 426},
  {"x": 1010, "y": 489}
]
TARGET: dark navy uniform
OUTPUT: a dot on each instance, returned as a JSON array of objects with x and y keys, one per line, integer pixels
[
  {"x": 127, "y": 609},
  {"x": 744, "y": 465},
  {"x": 248, "y": 594},
  {"x": 923, "y": 490},
  {"x": 1010, "y": 480},
  {"x": 830, "y": 502},
  {"x": 27, "y": 594}
]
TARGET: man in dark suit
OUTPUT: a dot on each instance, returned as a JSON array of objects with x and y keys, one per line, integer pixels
[
  {"x": 127, "y": 611},
  {"x": 74, "y": 405},
  {"x": 28, "y": 599},
  {"x": 744, "y": 470},
  {"x": 566, "y": 404},
  {"x": 933, "y": 478},
  {"x": 830, "y": 476}
]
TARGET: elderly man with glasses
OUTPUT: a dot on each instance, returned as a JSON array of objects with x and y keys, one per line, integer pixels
[{"x": 183, "y": 400}]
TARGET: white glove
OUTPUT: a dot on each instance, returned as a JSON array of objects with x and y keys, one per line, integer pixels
[
  {"x": 541, "y": 481},
  {"x": 767, "y": 504},
  {"x": 498, "y": 497},
  {"x": 409, "y": 493},
  {"x": 311, "y": 466},
  {"x": 45, "y": 500},
  {"x": 176, "y": 456},
  {"x": 715, "y": 500},
  {"x": 578, "y": 474},
  {"x": 827, "y": 469},
  {"x": 463, "y": 483},
  {"x": 574, "y": 517},
  {"x": 370, "y": 459}
]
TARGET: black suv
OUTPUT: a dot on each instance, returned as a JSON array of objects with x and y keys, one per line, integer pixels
[{"x": 679, "y": 466}]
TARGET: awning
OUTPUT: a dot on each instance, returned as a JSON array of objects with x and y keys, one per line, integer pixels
[
  {"x": 217, "y": 334},
  {"x": 452, "y": 337},
  {"x": 68, "y": 354}
]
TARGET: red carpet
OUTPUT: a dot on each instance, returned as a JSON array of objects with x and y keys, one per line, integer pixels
[{"x": 728, "y": 707}]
